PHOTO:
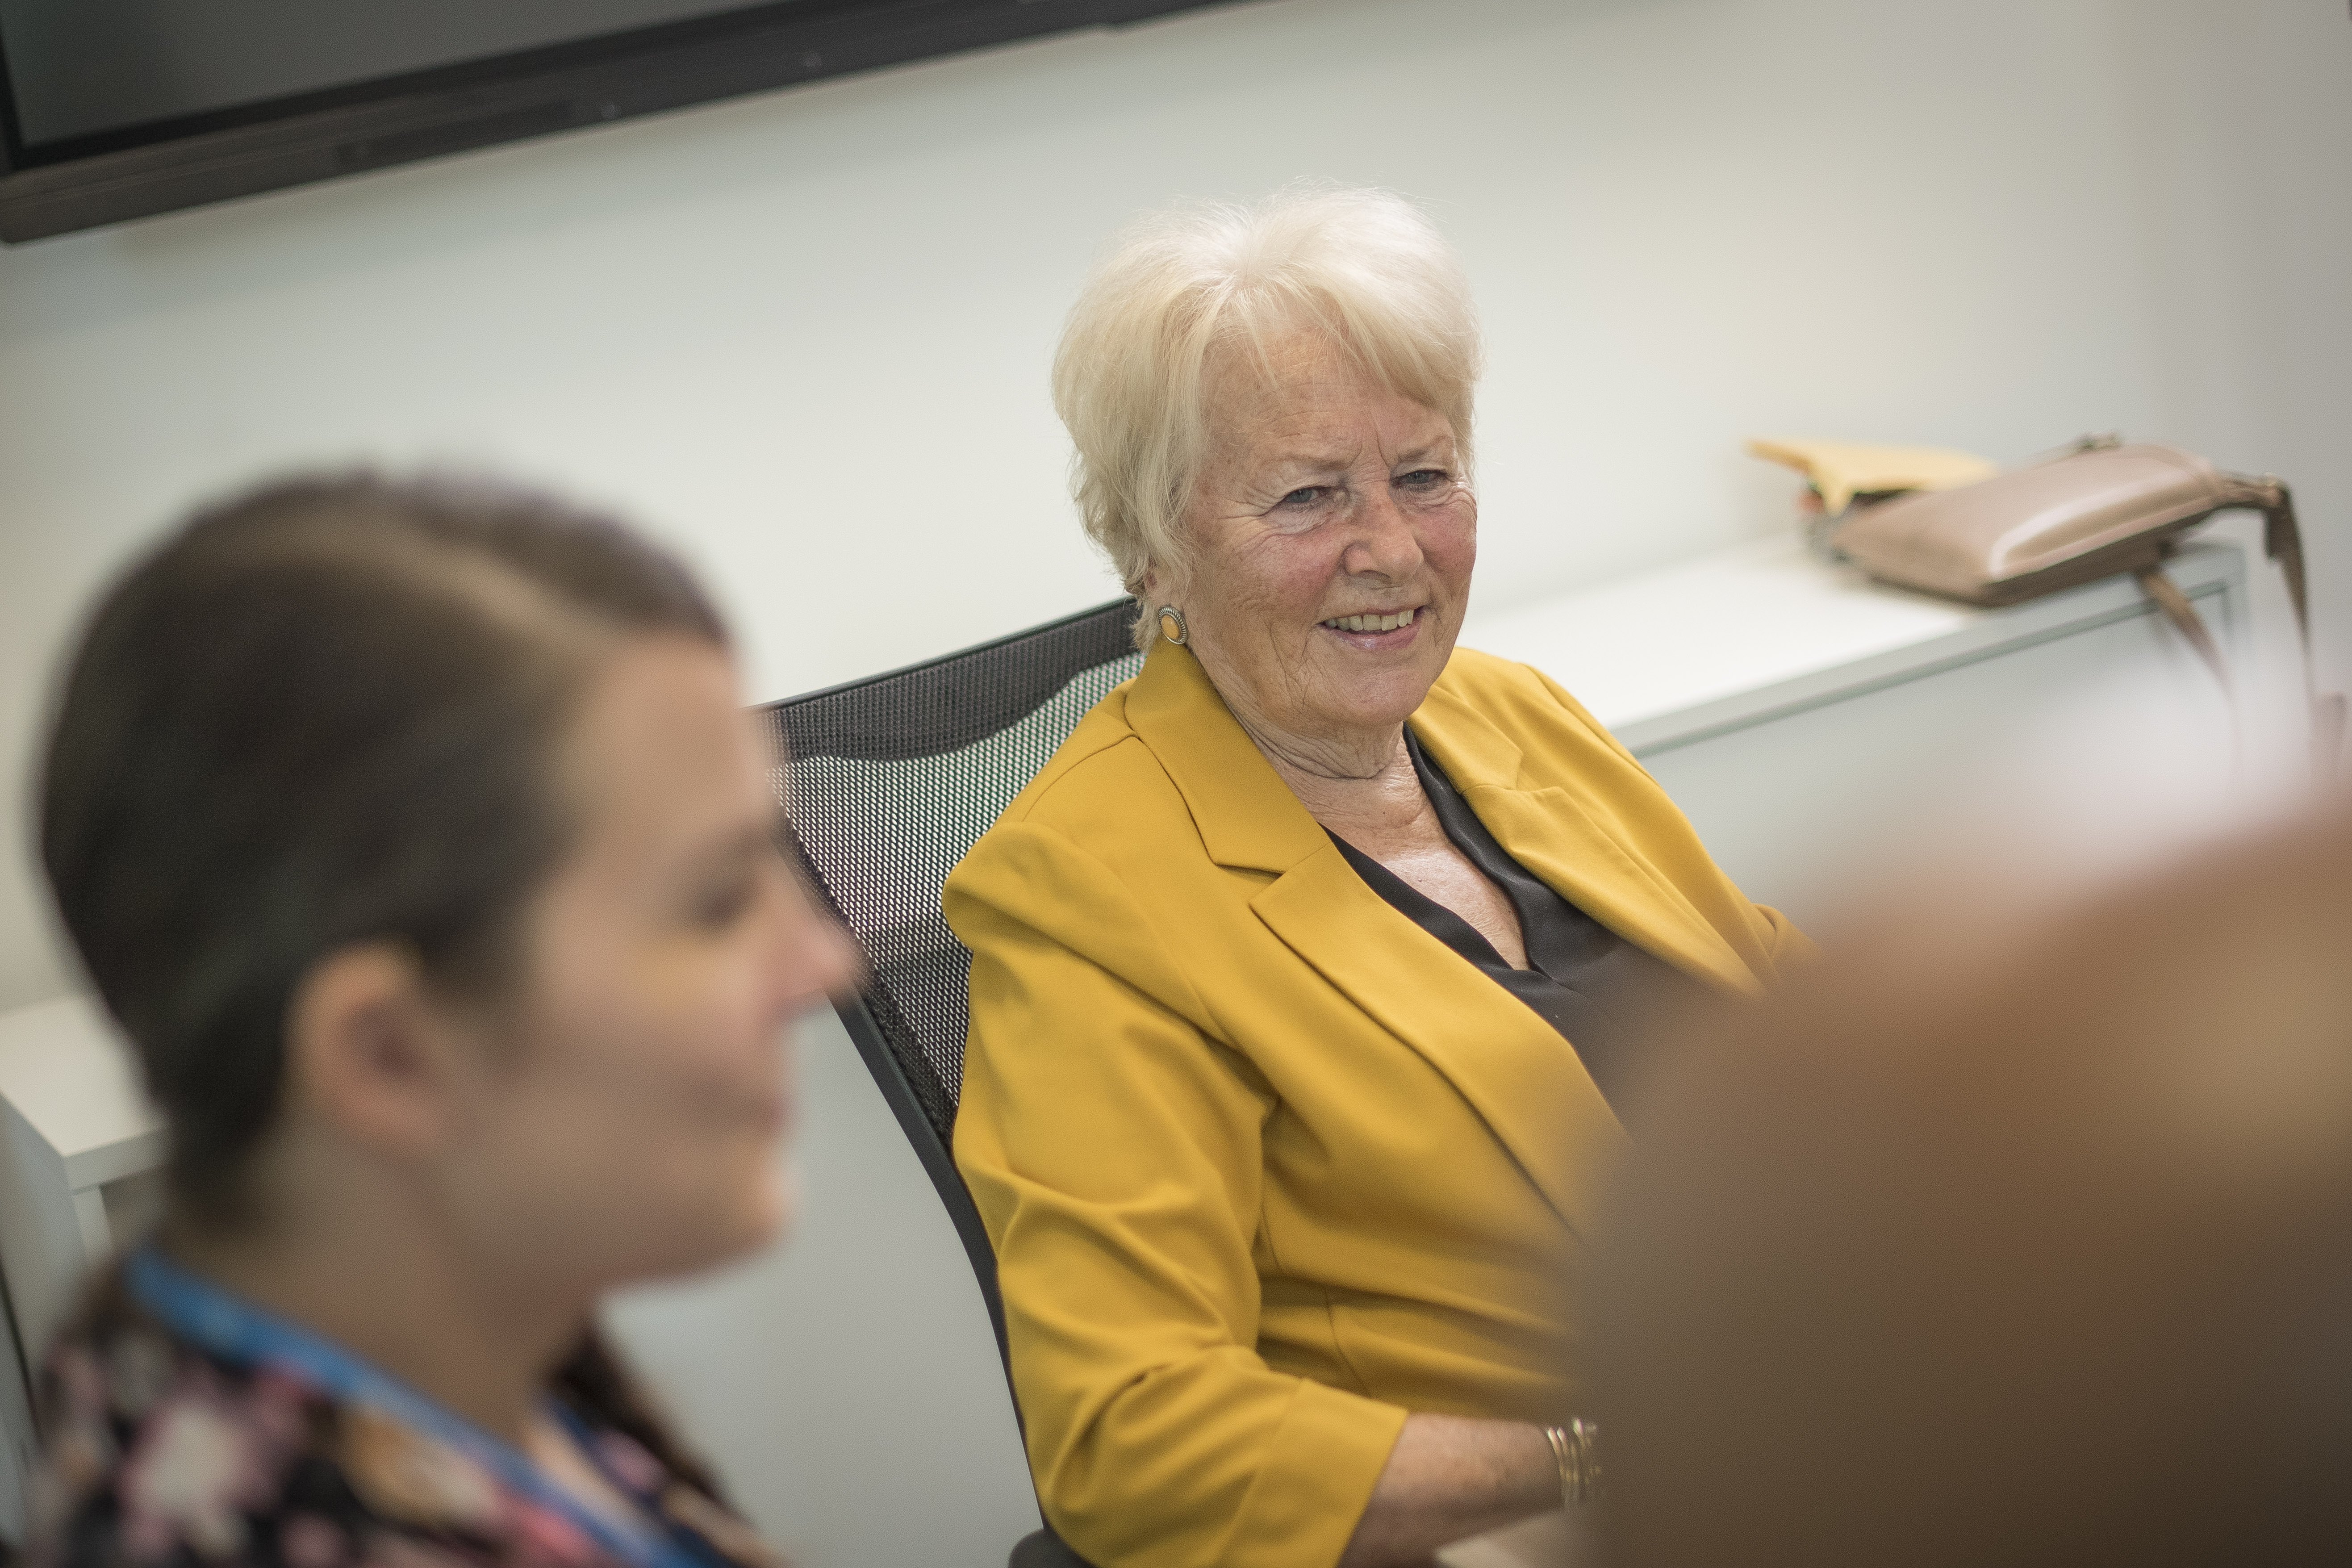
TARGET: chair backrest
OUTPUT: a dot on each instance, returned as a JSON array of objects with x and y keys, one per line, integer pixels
[{"x": 887, "y": 783}]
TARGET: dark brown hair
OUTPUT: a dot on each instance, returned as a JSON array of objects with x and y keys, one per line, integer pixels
[{"x": 322, "y": 713}]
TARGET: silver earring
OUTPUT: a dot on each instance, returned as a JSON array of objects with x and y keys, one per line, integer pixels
[{"x": 1171, "y": 625}]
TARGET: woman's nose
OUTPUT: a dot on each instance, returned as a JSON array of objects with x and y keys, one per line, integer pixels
[
  {"x": 814, "y": 958},
  {"x": 1383, "y": 542}
]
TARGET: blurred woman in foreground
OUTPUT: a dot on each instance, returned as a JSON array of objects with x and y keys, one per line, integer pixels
[{"x": 416, "y": 838}]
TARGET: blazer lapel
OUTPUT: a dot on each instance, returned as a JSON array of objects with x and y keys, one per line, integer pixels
[
  {"x": 1510, "y": 1066},
  {"x": 1550, "y": 832},
  {"x": 1245, "y": 814},
  {"x": 1507, "y": 1062}
]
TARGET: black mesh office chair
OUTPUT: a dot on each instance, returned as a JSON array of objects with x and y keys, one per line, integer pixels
[{"x": 888, "y": 781}]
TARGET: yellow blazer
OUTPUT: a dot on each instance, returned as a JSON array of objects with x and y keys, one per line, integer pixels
[{"x": 1266, "y": 1166}]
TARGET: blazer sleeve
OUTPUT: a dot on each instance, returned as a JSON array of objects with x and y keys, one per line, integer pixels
[
  {"x": 1783, "y": 944},
  {"x": 1112, "y": 1147}
]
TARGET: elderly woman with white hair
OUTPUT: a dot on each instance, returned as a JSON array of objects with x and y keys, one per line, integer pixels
[{"x": 1302, "y": 974}]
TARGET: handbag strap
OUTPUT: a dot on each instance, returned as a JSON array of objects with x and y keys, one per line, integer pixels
[
  {"x": 2282, "y": 544},
  {"x": 2168, "y": 597}
]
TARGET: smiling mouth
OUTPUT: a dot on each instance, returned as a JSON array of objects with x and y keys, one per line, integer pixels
[{"x": 1373, "y": 623}]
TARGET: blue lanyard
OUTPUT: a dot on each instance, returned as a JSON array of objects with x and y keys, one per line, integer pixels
[{"x": 240, "y": 1332}]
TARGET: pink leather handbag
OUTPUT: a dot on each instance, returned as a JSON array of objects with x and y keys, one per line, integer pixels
[{"x": 2102, "y": 508}]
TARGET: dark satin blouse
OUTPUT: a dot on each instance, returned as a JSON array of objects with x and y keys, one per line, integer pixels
[{"x": 1582, "y": 978}]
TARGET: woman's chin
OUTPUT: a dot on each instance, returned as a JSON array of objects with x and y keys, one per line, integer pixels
[
  {"x": 1374, "y": 688},
  {"x": 764, "y": 1219},
  {"x": 715, "y": 1235}
]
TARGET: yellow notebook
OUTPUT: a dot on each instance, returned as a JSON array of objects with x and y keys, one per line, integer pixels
[{"x": 1841, "y": 468}]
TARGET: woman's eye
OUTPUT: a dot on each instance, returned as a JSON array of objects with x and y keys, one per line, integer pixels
[
  {"x": 1426, "y": 479},
  {"x": 1305, "y": 495},
  {"x": 722, "y": 906}
]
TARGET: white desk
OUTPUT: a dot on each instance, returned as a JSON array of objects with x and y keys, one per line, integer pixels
[
  {"x": 76, "y": 1131},
  {"x": 1792, "y": 708},
  {"x": 1766, "y": 629},
  {"x": 79, "y": 1148}
]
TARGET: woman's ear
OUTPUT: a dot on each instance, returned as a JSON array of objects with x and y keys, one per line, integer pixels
[
  {"x": 373, "y": 1054},
  {"x": 1162, "y": 585}
]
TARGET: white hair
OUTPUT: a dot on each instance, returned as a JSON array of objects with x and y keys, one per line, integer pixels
[{"x": 1363, "y": 267}]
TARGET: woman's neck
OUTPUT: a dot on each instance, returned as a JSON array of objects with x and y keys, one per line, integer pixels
[
  {"x": 1360, "y": 786},
  {"x": 399, "y": 1297}
]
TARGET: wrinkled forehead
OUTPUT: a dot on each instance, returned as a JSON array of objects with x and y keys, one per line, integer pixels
[
  {"x": 1257, "y": 357},
  {"x": 1301, "y": 378}
]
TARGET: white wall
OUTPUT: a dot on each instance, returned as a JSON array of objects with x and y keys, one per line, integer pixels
[{"x": 805, "y": 336}]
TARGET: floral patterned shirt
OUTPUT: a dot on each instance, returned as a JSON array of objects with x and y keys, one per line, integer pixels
[{"x": 161, "y": 1455}]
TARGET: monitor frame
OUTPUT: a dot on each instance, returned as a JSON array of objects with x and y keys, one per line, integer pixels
[{"x": 112, "y": 176}]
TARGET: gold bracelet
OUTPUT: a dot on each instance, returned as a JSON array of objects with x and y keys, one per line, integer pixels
[{"x": 1575, "y": 1450}]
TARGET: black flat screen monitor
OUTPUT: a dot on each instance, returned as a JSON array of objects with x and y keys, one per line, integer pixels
[{"x": 119, "y": 109}]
